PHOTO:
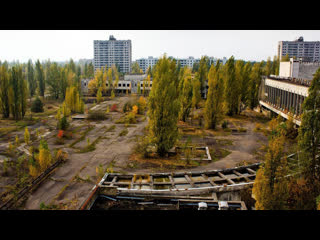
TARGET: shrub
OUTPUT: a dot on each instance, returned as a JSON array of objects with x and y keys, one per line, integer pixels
[
  {"x": 130, "y": 118},
  {"x": 113, "y": 108},
  {"x": 127, "y": 107},
  {"x": 37, "y": 105},
  {"x": 123, "y": 132},
  {"x": 63, "y": 123},
  {"x": 224, "y": 124}
]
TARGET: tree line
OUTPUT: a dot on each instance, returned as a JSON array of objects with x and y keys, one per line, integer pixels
[{"x": 18, "y": 82}]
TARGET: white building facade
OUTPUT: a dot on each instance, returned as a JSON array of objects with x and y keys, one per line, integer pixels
[{"x": 113, "y": 52}]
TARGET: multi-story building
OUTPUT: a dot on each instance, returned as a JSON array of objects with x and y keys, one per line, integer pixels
[
  {"x": 145, "y": 63},
  {"x": 307, "y": 51},
  {"x": 113, "y": 52}
]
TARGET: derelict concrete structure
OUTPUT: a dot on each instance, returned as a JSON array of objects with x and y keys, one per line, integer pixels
[{"x": 284, "y": 96}]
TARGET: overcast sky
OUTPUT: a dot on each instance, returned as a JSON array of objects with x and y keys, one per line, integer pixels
[{"x": 76, "y": 44}]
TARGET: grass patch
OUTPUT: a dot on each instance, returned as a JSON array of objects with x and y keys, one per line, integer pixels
[
  {"x": 82, "y": 136},
  {"x": 91, "y": 147},
  {"x": 217, "y": 154},
  {"x": 124, "y": 132}
]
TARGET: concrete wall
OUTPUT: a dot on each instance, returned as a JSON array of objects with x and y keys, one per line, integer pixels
[
  {"x": 306, "y": 70},
  {"x": 285, "y": 69}
]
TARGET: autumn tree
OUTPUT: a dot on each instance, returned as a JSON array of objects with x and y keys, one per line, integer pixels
[
  {"x": 253, "y": 87},
  {"x": 270, "y": 188},
  {"x": 26, "y": 136},
  {"x": 214, "y": 104},
  {"x": 40, "y": 78},
  {"x": 164, "y": 106},
  {"x": 53, "y": 80},
  {"x": 185, "y": 95},
  {"x": 45, "y": 158},
  {"x": 196, "y": 92},
  {"x": 232, "y": 88},
  {"x": 31, "y": 79},
  {"x": 245, "y": 84},
  {"x": 203, "y": 73},
  {"x": 309, "y": 136},
  {"x": 18, "y": 93},
  {"x": 4, "y": 92},
  {"x": 135, "y": 68}
]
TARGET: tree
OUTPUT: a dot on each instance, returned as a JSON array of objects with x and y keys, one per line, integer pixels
[
  {"x": 18, "y": 93},
  {"x": 285, "y": 58},
  {"x": 196, "y": 92},
  {"x": 268, "y": 67},
  {"x": 40, "y": 78},
  {"x": 254, "y": 84},
  {"x": 99, "y": 95},
  {"x": 45, "y": 157},
  {"x": 164, "y": 106},
  {"x": 37, "y": 105},
  {"x": 31, "y": 80},
  {"x": 4, "y": 91},
  {"x": 214, "y": 104},
  {"x": 309, "y": 135},
  {"x": 73, "y": 100},
  {"x": 232, "y": 88},
  {"x": 185, "y": 95},
  {"x": 135, "y": 68},
  {"x": 203, "y": 73},
  {"x": 245, "y": 83},
  {"x": 53, "y": 80},
  {"x": 26, "y": 136},
  {"x": 270, "y": 188}
]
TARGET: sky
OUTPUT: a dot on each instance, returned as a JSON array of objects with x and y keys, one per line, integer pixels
[{"x": 61, "y": 45}]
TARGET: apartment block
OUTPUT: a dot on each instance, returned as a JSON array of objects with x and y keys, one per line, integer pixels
[
  {"x": 305, "y": 50},
  {"x": 113, "y": 52}
]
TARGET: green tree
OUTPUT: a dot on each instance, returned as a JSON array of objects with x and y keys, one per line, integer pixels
[
  {"x": 53, "y": 80},
  {"x": 4, "y": 91},
  {"x": 309, "y": 136},
  {"x": 40, "y": 78},
  {"x": 196, "y": 93},
  {"x": 232, "y": 88},
  {"x": 254, "y": 84},
  {"x": 270, "y": 187},
  {"x": 135, "y": 68},
  {"x": 164, "y": 106},
  {"x": 213, "y": 111},
  {"x": 268, "y": 67},
  {"x": 19, "y": 93},
  {"x": 203, "y": 73},
  {"x": 31, "y": 80},
  {"x": 186, "y": 95},
  {"x": 245, "y": 83}
]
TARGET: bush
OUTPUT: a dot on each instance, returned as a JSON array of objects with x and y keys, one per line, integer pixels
[
  {"x": 127, "y": 107},
  {"x": 113, "y": 108},
  {"x": 224, "y": 124},
  {"x": 37, "y": 105},
  {"x": 63, "y": 123}
]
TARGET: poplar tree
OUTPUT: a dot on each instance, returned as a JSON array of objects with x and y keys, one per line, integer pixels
[
  {"x": 245, "y": 83},
  {"x": 254, "y": 84},
  {"x": 4, "y": 91},
  {"x": 40, "y": 78},
  {"x": 31, "y": 80},
  {"x": 270, "y": 188},
  {"x": 53, "y": 80},
  {"x": 164, "y": 106},
  {"x": 232, "y": 87},
  {"x": 18, "y": 93},
  {"x": 309, "y": 136},
  {"x": 185, "y": 95},
  {"x": 196, "y": 92},
  {"x": 203, "y": 73},
  {"x": 214, "y": 104}
]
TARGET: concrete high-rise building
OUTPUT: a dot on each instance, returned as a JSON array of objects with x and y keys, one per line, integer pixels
[
  {"x": 113, "y": 52},
  {"x": 307, "y": 51},
  {"x": 144, "y": 63}
]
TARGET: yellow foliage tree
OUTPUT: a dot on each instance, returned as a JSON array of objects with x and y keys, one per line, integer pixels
[
  {"x": 26, "y": 136},
  {"x": 45, "y": 157},
  {"x": 142, "y": 103}
]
